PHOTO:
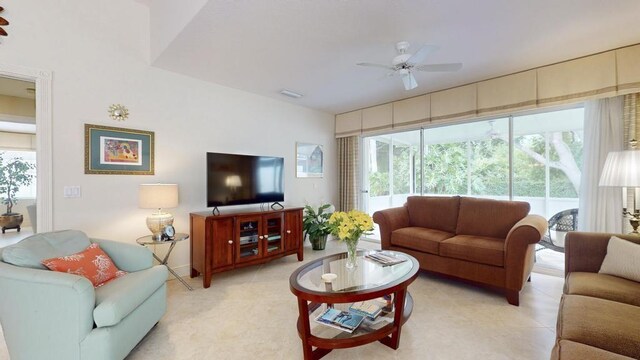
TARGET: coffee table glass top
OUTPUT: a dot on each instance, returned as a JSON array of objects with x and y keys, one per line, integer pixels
[{"x": 367, "y": 275}]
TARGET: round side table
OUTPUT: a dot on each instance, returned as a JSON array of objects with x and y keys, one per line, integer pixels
[{"x": 148, "y": 241}]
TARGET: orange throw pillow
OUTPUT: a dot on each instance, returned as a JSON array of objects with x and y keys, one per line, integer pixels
[{"x": 92, "y": 263}]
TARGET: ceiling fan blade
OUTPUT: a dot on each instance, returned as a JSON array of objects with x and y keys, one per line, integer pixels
[
  {"x": 421, "y": 54},
  {"x": 409, "y": 82},
  {"x": 2, "y": 32},
  {"x": 3, "y": 21},
  {"x": 1, "y": 9},
  {"x": 439, "y": 67},
  {"x": 377, "y": 65}
]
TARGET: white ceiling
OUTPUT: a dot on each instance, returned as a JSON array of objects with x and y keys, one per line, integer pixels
[{"x": 311, "y": 47}]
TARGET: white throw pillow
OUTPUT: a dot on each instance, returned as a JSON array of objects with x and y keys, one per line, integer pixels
[{"x": 622, "y": 259}]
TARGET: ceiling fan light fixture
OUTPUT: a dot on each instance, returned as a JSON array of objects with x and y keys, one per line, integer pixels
[{"x": 291, "y": 94}]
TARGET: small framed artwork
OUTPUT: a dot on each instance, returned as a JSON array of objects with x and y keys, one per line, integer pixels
[
  {"x": 309, "y": 160},
  {"x": 117, "y": 151}
]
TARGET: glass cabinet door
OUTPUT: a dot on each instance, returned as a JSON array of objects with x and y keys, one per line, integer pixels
[
  {"x": 273, "y": 233},
  {"x": 248, "y": 230}
]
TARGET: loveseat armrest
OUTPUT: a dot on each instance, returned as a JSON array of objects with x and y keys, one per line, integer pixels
[
  {"x": 529, "y": 230},
  {"x": 127, "y": 257},
  {"x": 390, "y": 220},
  {"x": 519, "y": 243}
]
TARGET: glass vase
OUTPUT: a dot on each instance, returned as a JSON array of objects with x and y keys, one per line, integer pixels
[{"x": 352, "y": 247}]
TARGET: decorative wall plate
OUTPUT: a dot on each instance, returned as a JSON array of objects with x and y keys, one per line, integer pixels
[{"x": 118, "y": 112}]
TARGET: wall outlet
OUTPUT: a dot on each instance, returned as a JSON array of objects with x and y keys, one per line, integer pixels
[{"x": 72, "y": 192}]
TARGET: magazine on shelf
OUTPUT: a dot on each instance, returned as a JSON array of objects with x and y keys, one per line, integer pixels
[
  {"x": 384, "y": 258},
  {"x": 368, "y": 308},
  {"x": 342, "y": 320}
]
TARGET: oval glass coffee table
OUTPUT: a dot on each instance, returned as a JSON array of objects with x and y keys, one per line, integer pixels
[{"x": 369, "y": 280}]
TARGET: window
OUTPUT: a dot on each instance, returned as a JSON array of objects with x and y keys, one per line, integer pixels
[
  {"x": 547, "y": 160},
  {"x": 468, "y": 159},
  {"x": 29, "y": 157}
]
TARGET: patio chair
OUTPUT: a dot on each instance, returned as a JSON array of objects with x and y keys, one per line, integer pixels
[{"x": 560, "y": 223}]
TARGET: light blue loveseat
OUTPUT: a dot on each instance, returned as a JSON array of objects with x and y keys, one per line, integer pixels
[{"x": 52, "y": 315}]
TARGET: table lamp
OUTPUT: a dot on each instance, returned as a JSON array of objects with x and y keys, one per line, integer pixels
[
  {"x": 622, "y": 169},
  {"x": 158, "y": 196}
]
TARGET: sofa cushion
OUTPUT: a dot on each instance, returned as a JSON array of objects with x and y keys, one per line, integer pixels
[
  {"x": 571, "y": 350},
  {"x": 420, "y": 239},
  {"x": 487, "y": 217},
  {"x": 600, "y": 323},
  {"x": 603, "y": 286},
  {"x": 92, "y": 263},
  {"x": 117, "y": 298},
  {"x": 434, "y": 212},
  {"x": 479, "y": 249},
  {"x": 621, "y": 259},
  {"x": 30, "y": 251}
]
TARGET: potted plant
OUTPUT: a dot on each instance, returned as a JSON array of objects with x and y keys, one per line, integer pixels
[
  {"x": 315, "y": 224},
  {"x": 13, "y": 176}
]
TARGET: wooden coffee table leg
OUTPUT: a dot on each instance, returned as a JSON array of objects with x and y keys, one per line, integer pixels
[
  {"x": 393, "y": 341},
  {"x": 303, "y": 310}
]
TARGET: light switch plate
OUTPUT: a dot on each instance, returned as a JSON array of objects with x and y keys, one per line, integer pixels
[{"x": 72, "y": 192}]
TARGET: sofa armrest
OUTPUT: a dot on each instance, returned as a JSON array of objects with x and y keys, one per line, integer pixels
[
  {"x": 519, "y": 247},
  {"x": 127, "y": 257},
  {"x": 34, "y": 300},
  {"x": 390, "y": 220}
]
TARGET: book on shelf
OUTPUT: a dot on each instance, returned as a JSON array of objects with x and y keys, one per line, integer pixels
[
  {"x": 368, "y": 308},
  {"x": 384, "y": 258},
  {"x": 342, "y": 320}
]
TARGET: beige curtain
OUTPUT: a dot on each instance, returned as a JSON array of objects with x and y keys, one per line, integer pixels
[
  {"x": 348, "y": 170},
  {"x": 630, "y": 115},
  {"x": 631, "y": 120}
]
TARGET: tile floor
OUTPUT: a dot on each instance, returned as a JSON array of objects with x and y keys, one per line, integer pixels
[{"x": 250, "y": 312}]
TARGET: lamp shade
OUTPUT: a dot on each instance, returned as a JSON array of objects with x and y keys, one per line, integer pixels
[
  {"x": 158, "y": 196},
  {"x": 622, "y": 168}
]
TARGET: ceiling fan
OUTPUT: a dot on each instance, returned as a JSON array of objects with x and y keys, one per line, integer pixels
[
  {"x": 3, "y": 22},
  {"x": 404, "y": 64}
]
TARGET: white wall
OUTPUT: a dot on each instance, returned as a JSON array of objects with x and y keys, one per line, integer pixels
[{"x": 98, "y": 53}]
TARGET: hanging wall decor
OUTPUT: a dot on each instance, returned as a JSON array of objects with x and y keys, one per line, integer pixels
[
  {"x": 3, "y": 22},
  {"x": 118, "y": 151},
  {"x": 118, "y": 112}
]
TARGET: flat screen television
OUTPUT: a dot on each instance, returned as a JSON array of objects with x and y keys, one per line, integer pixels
[{"x": 234, "y": 179}]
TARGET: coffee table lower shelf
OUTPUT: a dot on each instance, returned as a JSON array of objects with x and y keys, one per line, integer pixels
[{"x": 388, "y": 335}]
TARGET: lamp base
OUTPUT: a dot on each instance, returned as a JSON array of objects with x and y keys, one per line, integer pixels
[
  {"x": 156, "y": 223},
  {"x": 635, "y": 222}
]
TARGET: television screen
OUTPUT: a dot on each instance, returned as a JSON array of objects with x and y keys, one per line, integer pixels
[{"x": 234, "y": 179}]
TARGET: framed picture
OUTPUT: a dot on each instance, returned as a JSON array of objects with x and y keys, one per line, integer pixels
[
  {"x": 309, "y": 160},
  {"x": 117, "y": 151}
]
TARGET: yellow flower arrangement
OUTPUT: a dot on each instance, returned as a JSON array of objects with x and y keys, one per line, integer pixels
[{"x": 349, "y": 226}]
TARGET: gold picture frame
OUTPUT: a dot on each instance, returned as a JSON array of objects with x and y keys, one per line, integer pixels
[{"x": 118, "y": 151}]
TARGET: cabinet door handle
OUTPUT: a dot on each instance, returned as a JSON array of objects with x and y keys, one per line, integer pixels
[
  {"x": 260, "y": 237},
  {"x": 288, "y": 231},
  {"x": 230, "y": 242}
]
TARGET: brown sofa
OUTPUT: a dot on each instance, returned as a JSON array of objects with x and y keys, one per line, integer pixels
[
  {"x": 599, "y": 316},
  {"x": 485, "y": 241}
]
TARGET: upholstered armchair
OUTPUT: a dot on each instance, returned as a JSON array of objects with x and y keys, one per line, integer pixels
[{"x": 55, "y": 315}]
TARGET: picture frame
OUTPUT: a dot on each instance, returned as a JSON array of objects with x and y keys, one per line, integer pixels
[
  {"x": 118, "y": 151},
  {"x": 309, "y": 160}
]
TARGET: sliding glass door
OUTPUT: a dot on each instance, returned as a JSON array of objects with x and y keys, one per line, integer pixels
[
  {"x": 467, "y": 159},
  {"x": 390, "y": 170}
]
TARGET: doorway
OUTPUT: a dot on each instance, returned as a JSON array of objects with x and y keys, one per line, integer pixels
[{"x": 26, "y": 132}]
